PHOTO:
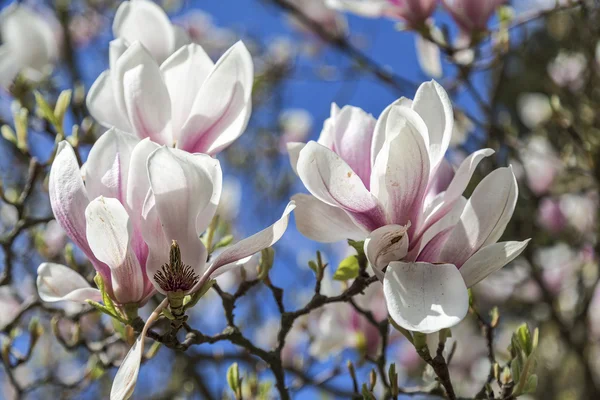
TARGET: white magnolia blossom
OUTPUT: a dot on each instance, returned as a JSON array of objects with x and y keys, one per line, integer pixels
[
  {"x": 402, "y": 197},
  {"x": 534, "y": 109},
  {"x": 188, "y": 101},
  {"x": 30, "y": 44},
  {"x": 541, "y": 164},
  {"x": 568, "y": 70}
]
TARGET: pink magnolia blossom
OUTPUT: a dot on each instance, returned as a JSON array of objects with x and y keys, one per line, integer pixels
[
  {"x": 30, "y": 43},
  {"x": 187, "y": 101},
  {"x": 406, "y": 201},
  {"x": 541, "y": 164},
  {"x": 550, "y": 216},
  {"x": 413, "y": 12},
  {"x": 472, "y": 15}
]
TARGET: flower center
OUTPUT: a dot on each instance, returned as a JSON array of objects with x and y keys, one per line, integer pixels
[{"x": 175, "y": 275}]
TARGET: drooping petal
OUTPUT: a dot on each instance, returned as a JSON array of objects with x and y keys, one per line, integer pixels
[
  {"x": 146, "y": 22},
  {"x": 56, "y": 282},
  {"x": 424, "y": 297},
  {"x": 332, "y": 181},
  {"x": 223, "y": 105},
  {"x": 253, "y": 244},
  {"x": 434, "y": 106},
  {"x": 108, "y": 232},
  {"x": 294, "y": 149},
  {"x": 107, "y": 166},
  {"x": 145, "y": 95},
  {"x": 485, "y": 216},
  {"x": 386, "y": 244},
  {"x": 101, "y": 101},
  {"x": 401, "y": 172},
  {"x": 184, "y": 73},
  {"x": 324, "y": 223},
  {"x": 490, "y": 259}
]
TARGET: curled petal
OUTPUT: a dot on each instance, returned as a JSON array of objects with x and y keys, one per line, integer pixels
[
  {"x": 386, "y": 244},
  {"x": 294, "y": 149},
  {"x": 56, "y": 282},
  {"x": 425, "y": 297}
]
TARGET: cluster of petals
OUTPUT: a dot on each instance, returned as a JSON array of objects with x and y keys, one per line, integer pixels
[
  {"x": 387, "y": 182},
  {"x": 30, "y": 43},
  {"x": 162, "y": 88}
]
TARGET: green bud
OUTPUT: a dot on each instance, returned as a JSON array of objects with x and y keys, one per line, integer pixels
[
  {"x": 62, "y": 104},
  {"x": 9, "y": 134},
  {"x": 348, "y": 269},
  {"x": 267, "y": 256},
  {"x": 21, "y": 122},
  {"x": 234, "y": 381}
]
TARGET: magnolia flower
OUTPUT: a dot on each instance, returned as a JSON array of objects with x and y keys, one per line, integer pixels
[
  {"x": 541, "y": 164},
  {"x": 550, "y": 216},
  {"x": 316, "y": 10},
  {"x": 406, "y": 201},
  {"x": 534, "y": 109},
  {"x": 187, "y": 101},
  {"x": 472, "y": 15},
  {"x": 413, "y": 12},
  {"x": 296, "y": 125},
  {"x": 145, "y": 22},
  {"x": 30, "y": 44},
  {"x": 202, "y": 30},
  {"x": 568, "y": 70}
]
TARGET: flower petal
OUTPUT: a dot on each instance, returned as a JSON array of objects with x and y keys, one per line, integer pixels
[
  {"x": 253, "y": 244},
  {"x": 146, "y": 22},
  {"x": 294, "y": 149},
  {"x": 424, "y": 297},
  {"x": 401, "y": 171},
  {"x": 108, "y": 233},
  {"x": 56, "y": 282},
  {"x": 107, "y": 166},
  {"x": 485, "y": 216},
  {"x": 386, "y": 244},
  {"x": 434, "y": 106},
  {"x": 429, "y": 57},
  {"x": 184, "y": 73},
  {"x": 101, "y": 101},
  {"x": 323, "y": 223},
  {"x": 380, "y": 133},
  {"x": 332, "y": 181},
  {"x": 490, "y": 259},
  {"x": 223, "y": 105}
]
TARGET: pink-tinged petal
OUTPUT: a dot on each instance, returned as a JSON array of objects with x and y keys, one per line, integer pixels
[
  {"x": 146, "y": 22},
  {"x": 386, "y": 244},
  {"x": 434, "y": 106},
  {"x": 352, "y": 135},
  {"x": 253, "y": 244},
  {"x": 485, "y": 216},
  {"x": 101, "y": 101},
  {"x": 146, "y": 96},
  {"x": 184, "y": 73},
  {"x": 433, "y": 248},
  {"x": 423, "y": 297},
  {"x": 109, "y": 232},
  {"x": 324, "y": 223},
  {"x": 56, "y": 282},
  {"x": 107, "y": 166},
  {"x": 440, "y": 181},
  {"x": 332, "y": 181},
  {"x": 154, "y": 236},
  {"x": 401, "y": 171},
  {"x": 126, "y": 377},
  {"x": 490, "y": 259},
  {"x": 223, "y": 105},
  {"x": 186, "y": 193},
  {"x": 456, "y": 188},
  {"x": 294, "y": 149}
]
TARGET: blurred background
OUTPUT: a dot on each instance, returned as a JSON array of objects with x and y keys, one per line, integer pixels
[{"x": 529, "y": 89}]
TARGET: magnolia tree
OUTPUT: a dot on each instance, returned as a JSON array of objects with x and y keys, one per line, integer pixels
[{"x": 147, "y": 250}]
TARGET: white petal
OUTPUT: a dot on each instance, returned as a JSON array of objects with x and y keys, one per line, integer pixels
[
  {"x": 332, "y": 181},
  {"x": 109, "y": 232},
  {"x": 401, "y": 171},
  {"x": 428, "y": 54},
  {"x": 223, "y": 105},
  {"x": 424, "y": 297},
  {"x": 370, "y": 9},
  {"x": 324, "y": 223},
  {"x": 490, "y": 259},
  {"x": 294, "y": 149},
  {"x": 9, "y": 66},
  {"x": 485, "y": 216},
  {"x": 380, "y": 132},
  {"x": 55, "y": 282},
  {"x": 386, "y": 244},
  {"x": 102, "y": 104},
  {"x": 144, "y": 21},
  {"x": 107, "y": 166},
  {"x": 145, "y": 94},
  {"x": 184, "y": 73},
  {"x": 253, "y": 244},
  {"x": 434, "y": 106},
  {"x": 126, "y": 377}
]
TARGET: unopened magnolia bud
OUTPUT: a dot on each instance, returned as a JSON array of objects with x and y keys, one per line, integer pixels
[{"x": 386, "y": 244}]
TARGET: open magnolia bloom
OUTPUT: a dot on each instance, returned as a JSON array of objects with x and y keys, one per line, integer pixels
[
  {"x": 413, "y": 12},
  {"x": 403, "y": 197},
  {"x": 145, "y": 22},
  {"x": 30, "y": 43},
  {"x": 472, "y": 15},
  {"x": 187, "y": 102}
]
